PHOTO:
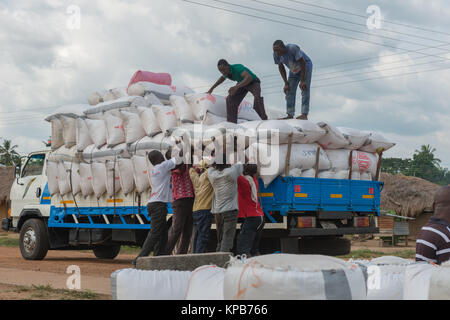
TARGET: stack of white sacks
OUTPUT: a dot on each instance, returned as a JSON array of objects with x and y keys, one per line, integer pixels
[
  {"x": 101, "y": 147},
  {"x": 290, "y": 277}
]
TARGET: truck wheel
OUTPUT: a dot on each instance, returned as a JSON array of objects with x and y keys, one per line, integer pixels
[
  {"x": 107, "y": 252},
  {"x": 34, "y": 243},
  {"x": 329, "y": 246}
]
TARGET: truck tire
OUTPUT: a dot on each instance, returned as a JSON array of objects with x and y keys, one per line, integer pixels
[
  {"x": 34, "y": 243},
  {"x": 106, "y": 252},
  {"x": 329, "y": 246}
]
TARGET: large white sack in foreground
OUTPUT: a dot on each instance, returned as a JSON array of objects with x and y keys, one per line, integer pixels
[
  {"x": 312, "y": 132},
  {"x": 206, "y": 283},
  {"x": 376, "y": 142},
  {"x": 271, "y": 132},
  {"x": 361, "y": 161},
  {"x": 162, "y": 92},
  {"x": 333, "y": 139},
  {"x": 132, "y": 284},
  {"x": 166, "y": 117},
  {"x": 182, "y": 109},
  {"x": 271, "y": 159},
  {"x": 202, "y": 102},
  {"x": 440, "y": 283},
  {"x": 293, "y": 277},
  {"x": 357, "y": 138},
  {"x": 417, "y": 281},
  {"x": 386, "y": 278}
]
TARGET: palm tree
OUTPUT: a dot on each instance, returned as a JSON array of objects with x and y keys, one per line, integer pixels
[{"x": 8, "y": 154}]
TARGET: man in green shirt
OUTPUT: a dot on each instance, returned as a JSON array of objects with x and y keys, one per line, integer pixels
[{"x": 247, "y": 82}]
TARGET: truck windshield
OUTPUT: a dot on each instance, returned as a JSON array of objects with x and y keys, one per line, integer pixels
[{"x": 34, "y": 165}]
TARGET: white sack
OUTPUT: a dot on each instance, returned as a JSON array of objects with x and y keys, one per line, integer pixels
[
  {"x": 75, "y": 177},
  {"x": 63, "y": 154},
  {"x": 141, "y": 173},
  {"x": 211, "y": 119},
  {"x": 86, "y": 179},
  {"x": 182, "y": 109},
  {"x": 310, "y": 173},
  {"x": 440, "y": 283},
  {"x": 113, "y": 181},
  {"x": 96, "y": 97},
  {"x": 166, "y": 117},
  {"x": 149, "y": 121},
  {"x": 57, "y": 133},
  {"x": 63, "y": 179},
  {"x": 272, "y": 159},
  {"x": 52, "y": 177},
  {"x": 132, "y": 284},
  {"x": 69, "y": 130},
  {"x": 151, "y": 99},
  {"x": 121, "y": 103},
  {"x": 366, "y": 176},
  {"x": 116, "y": 93},
  {"x": 162, "y": 92},
  {"x": 296, "y": 172},
  {"x": 361, "y": 161},
  {"x": 114, "y": 130},
  {"x": 357, "y": 138},
  {"x": 206, "y": 283},
  {"x": 72, "y": 111},
  {"x": 82, "y": 134},
  {"x": 311, "y": 131},
  {"x": 132, "y": 126},
  {"x": 375, "y": 142},
  {"x": 98, "y": 178},
  {"x": 203, "y": 102},
  {"x": 159, "y": 142},
  {"x": 327, "y": 174},
  {"x": 333, "y": 139},
  {"x": 417, "y": 281},
  {"x": 293, "y": 277},
  {"x": 126, "y": 174},
  {"x": 271, "y": 132},
  {"x": 97, "y": 131}
]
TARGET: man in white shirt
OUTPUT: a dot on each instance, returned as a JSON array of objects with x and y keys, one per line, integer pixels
[{"x": 157, "y": 205}]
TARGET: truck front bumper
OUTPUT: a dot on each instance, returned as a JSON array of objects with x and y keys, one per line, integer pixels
[{"x": 6, "y": 224}]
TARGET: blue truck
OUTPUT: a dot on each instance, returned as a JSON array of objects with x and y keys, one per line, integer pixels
[{"x": 303, "y": 215}]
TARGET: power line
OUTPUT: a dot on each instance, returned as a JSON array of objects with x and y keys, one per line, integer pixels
[
  {"x": 365, "y": 17},
  {"x": 346, "y": 21}
]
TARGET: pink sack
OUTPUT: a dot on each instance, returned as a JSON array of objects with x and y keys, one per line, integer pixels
[{"x": 158, "y": 78}]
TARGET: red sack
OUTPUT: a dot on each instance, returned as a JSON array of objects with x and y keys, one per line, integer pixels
[{"x": 158, "y": 78}]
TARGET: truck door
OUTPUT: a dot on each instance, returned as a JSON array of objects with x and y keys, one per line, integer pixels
[{"x": 29, "y": 189}]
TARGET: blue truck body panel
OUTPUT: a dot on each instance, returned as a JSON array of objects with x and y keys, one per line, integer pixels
[{"x": 284, "y": 195}]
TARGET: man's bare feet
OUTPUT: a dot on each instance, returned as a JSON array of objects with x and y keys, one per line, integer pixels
[{"x": 303, "y": 117}]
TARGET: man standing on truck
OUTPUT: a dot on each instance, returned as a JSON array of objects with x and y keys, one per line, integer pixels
[
  {"x": 182, "y": 220},
  {"x": 300, "y": 72},
  {"x": 247, "y": 82},
  {"x": 157, "y": 205},
  {"x": 223, "y": 179},
  {"x": 433, "y": 242}
]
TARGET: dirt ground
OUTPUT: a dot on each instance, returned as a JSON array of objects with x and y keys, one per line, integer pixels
[{"x": 46, "y": 279}]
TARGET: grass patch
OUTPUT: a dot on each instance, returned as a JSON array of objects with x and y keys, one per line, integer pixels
[
  {"x": 41, "y": 291},
  {"x": 8, "y": 242},
  {"x": 369, "y": 254}
]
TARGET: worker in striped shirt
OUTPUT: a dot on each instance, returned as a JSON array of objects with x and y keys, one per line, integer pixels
[{"x": 433, "y": 242}]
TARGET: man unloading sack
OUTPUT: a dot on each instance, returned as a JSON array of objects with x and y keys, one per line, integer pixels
[
  {"x": 300, "y": 71},
  {"x": 247, "y": 82},
  {"x": 433, "y": 241}
]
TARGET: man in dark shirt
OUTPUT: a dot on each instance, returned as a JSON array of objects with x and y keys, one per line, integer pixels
[
  {"x": 433, "y": 242},
  {"x": 247, "y": 81}
]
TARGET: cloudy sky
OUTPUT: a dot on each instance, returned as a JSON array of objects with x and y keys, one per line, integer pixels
[{"x": 395, "y": 81}]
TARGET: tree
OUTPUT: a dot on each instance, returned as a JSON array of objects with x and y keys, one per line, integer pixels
[{"x": 8, "y": 154}]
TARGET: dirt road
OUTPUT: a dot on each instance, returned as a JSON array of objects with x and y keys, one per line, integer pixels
[{"x": 95, "y": 273}]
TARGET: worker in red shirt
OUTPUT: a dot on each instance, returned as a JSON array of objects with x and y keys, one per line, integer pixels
[{"x": 249, "y": 208}]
